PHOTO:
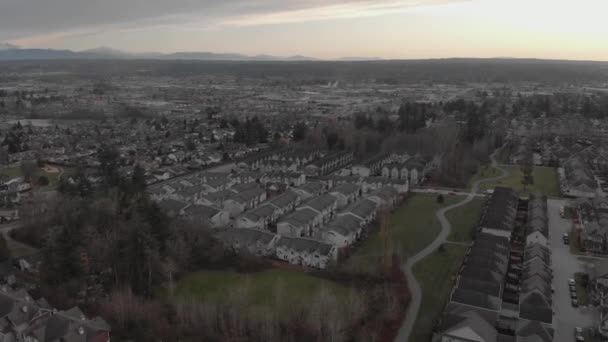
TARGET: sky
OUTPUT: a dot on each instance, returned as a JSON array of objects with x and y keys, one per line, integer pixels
[{"x": 328, "y": 29}]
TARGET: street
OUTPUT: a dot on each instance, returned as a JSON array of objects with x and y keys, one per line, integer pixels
[{"x": 564, "y": 266}]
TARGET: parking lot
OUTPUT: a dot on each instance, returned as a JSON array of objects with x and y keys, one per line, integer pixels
[{"x": 564, "y": 266}]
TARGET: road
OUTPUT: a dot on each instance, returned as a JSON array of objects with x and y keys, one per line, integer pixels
[
  {"x": 445, "y": 192},
  {"x": 446, "y": 227},
  {"x": 564, "y": 266}
]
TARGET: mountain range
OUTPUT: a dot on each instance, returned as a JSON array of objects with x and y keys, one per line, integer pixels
[{"x": 12, "y": 52}]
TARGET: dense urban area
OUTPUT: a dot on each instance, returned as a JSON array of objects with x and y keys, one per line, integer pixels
[{"x": 440, "y": 200}]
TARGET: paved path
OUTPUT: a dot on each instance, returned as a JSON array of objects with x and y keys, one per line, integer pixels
[{"x": 446, "y": 227}]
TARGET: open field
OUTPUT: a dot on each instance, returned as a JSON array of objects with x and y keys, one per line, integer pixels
[
  {"x": 51, "y": 173},
  {"x": 411, "y": 227},
  {"x": 436, "y": 275},
  {"x": 18, "y": 249},
  {"x": 298, "y": 288},
  {"x": 545, "y": 180},
  {"x": 464, "y": 220}
]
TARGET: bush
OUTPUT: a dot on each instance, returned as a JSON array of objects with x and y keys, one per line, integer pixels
[
  {"x": 43, "y": 181},
  {"x": 440, "y": 199}
]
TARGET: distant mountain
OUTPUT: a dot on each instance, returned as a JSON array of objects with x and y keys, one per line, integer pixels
[
  {"x": 40, "y": 54},
  {"x": 106, "y": 51},
  {"x": 7, "y": 46},
  {"x": 11, "y": 52},
  {"x": 211, "y": 56},
  {"x": 360, "y": 59}
]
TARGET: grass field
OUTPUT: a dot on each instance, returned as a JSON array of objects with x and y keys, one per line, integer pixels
[
  {"x": 581, "y": 291},
  {"x": 464, "y": 220},
  {"x": 436, "y": 275},
  {"x": 18, "y": 249},
  {"x": 411, "y": 227},
  {"x": 53, "y": 177},
  {"x": 261, "y": 288},
  {"x": 545, "y": 180}
]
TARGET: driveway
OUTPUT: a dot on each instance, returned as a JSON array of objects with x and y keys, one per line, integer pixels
[{"x": 564, "y": 266}]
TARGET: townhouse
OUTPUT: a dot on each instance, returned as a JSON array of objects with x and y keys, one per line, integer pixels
[{"x": 306, "y": 252}]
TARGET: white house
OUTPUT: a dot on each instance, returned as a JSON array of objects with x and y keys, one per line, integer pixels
[
  {"x": 299, "y": 223},
  {"x": 346, "y": 193},
  {"x": 343, "y": 231}
]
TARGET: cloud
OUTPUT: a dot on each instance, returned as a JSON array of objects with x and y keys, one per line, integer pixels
[{"x": 30, "y": 19}]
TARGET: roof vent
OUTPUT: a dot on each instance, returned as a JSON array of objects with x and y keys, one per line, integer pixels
[
  {"x": 24, "y": 308},
  {"x": 82, "y": 318},
  {"x": 80, "y": 331},
  {"x": 27, "y": 298}
]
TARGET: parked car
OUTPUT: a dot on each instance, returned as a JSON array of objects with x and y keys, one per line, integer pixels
[
  {"x": 574, "y": 303},
  {"x": 578, "y": 334},
  {"x": 572, "y": 288},
  {"x": 571, "y": 281},
  {"x": 566, "y": 238},
  {"x": 573, "y": 295}
]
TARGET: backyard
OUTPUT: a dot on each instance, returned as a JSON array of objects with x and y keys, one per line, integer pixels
[{"x": 546, "y": 180}]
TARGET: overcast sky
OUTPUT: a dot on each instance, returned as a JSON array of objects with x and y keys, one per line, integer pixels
[{"x": 560, "y": 29}]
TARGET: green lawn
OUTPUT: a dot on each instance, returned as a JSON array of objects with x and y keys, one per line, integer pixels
[
  {"x": 18, "y": 249},
  {"x": 262, "y": 288},
  {"x": 464, "y": 220},
  {"x": 436, "y": 275},
  {"x": 411, "y": 227},
  {"x": 545, "y": 180},
  {"x": 581, "y": 291},
  {"x": 53, "y": 177}
]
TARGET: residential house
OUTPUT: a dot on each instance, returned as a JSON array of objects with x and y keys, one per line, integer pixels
[
  {"x": 206, "y": 216},
  {"x": 346, "y": 193},
  {"x": 498, "y": 216},
  {"x": 343, "y": 231},
  {"x": 306, "y": 252},
  {"x": 386, "y": 196},
  {"x": 299, "y": 223},
  {"x": 375, "y": 183},
  {"x": 363, "y": 210}
]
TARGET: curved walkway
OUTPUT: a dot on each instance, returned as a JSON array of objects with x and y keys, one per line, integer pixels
[{"x": 446, "y": 227}]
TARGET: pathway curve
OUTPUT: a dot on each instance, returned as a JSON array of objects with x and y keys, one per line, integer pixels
[{"x": 446, "y": 227}]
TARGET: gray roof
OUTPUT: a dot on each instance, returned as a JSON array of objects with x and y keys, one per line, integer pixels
[
  {"x": 320, "y": 203},
  {"x": 244, "y": 237},
  {"x": 305, "y": 245},
  {"x": 386, "y": 193},
  {"x": 202, "y": 211},
  {"x": 470, "y": 319},
  {"x": 344, "y": 225},
  {"x": 476, "y": 299},
  {"x": 532, "y": 328},
  {"x": 284, "y": 199},
  {"x": 346, "y": 189},
  {"x": 261, "y": 212},
  {"x": 313, "y": 188},
  {"x": 244, "y": 187},
  {"x": 535, "y": 306},
  {"x": 500, "y": 210},
  {"x": 300, "y": 217},
  {"x": 361, "y": 208}
]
